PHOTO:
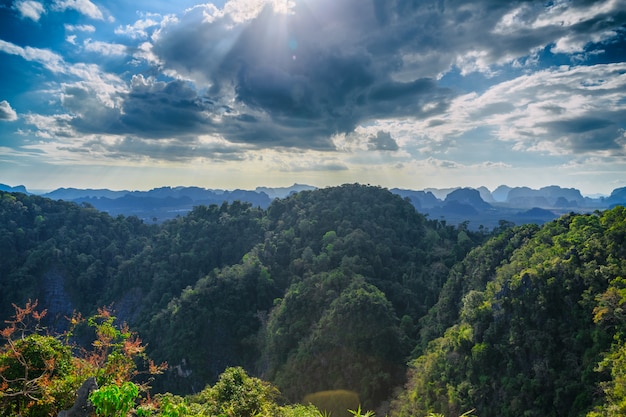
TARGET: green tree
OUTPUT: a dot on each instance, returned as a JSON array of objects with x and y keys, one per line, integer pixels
[
  {"x": 40, "y": 373},
  {"x": 35, "y": 369},
  {"x": 236, "y": 394}
]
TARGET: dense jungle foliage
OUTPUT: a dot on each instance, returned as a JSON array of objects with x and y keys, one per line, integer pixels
[{"x": 335, "y": 291}]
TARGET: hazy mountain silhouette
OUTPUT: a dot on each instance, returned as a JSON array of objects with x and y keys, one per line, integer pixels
[
  {"x": 477, "y": 207},
  {"x": 16, "y": 189},
  {"x": 501, "y": 193},
  {"x": 617, "y": 197},
  {"x": 469, "y": 197}
]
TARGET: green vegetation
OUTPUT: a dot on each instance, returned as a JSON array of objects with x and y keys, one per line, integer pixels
[
  {"x": 536, "y": 335},
  {"x": 114, "y": 400},
  {"x": 40, "y": 375},
  {"x": 231, "y": 281},
  {"x": 324, "y": 297}
]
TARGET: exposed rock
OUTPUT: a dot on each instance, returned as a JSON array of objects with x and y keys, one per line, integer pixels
[
  {"x": 82, "y": 406},
  {"x": 127, "y": 308},
  {"x": 56, "y": 300},
  {"x": 469, "y": 197}
]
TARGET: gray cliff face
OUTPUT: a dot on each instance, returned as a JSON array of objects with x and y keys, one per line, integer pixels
[
  {"x": 56, "y": 300},
  {"x": 127, "y": 308},
  {"x": 545, "y": 197},
  {"x": 82, "y": 406},
  {"x": 468, "y": 196}
]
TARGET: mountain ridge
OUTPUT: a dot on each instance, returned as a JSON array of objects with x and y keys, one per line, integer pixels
[
  {"x": 344, "y": 285},
  {"x": 479, "y": 207}
]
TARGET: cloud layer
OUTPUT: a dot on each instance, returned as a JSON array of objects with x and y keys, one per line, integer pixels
[{"x": 404, "y": 81}]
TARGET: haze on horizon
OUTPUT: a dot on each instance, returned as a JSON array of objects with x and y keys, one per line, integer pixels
[{"x": 245, "y": 93}]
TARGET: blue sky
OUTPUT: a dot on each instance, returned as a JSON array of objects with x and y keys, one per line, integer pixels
[{"x": 244, "y": 93}]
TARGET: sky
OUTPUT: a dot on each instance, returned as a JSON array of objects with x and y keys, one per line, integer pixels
[{"x": 243, "y": 93}]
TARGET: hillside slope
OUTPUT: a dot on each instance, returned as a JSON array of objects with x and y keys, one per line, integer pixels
[
  {"x": 530, "y": 318},
  {"x": 319, "y": 279},
  {"x": 336, "y": 289}
]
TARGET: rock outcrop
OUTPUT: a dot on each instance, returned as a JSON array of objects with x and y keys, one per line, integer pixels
[{"x": 82, "y": 406}]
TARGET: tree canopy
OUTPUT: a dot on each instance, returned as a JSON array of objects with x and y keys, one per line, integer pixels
[{"x": 334, "y": 290}]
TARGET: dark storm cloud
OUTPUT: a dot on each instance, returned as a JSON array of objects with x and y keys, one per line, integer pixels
[
  {"x": 307, "y": 76},
  {"x": 579, "y": 125},
  {"x": 149, "y": 109},
  {"x": 331, "y": 65},
  {"x": 604, "y": 140},
  {"x": 160, "y": 109},
  {"x": 164, "y": 110},
  {"x": 296, "y": 79},
  {"x": 382, "y": 142},
  {"x": 588, "y": 134}
]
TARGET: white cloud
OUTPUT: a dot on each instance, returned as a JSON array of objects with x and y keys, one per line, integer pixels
[
  {"x": 80, "y": 28},
  {"x": 566, "y": 13},
  {"x": 572, "y": 25},
  {"x": 6, "y": 112},
  {"x": 104, "y": 48},
  {"x": 240, "y": 11},
  {"x": 475, "y": 61},
  {"x": 559, "y": 111},
  {"x": 50, "y": 60},
  {"x": 139, "y": 29},
  {"x": 144, "y": 53},
  {"x": 85, "y": 7},
  {"x": 30, "y": 9},
  {"x": 50, "y": 127},
  {"x": 104, "y": 85}
]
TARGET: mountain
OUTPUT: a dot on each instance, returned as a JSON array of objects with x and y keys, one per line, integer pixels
[
  {"x": 504, "y": 204},
  {"x": 486, "y": 195},
  {"x": 528, "y": 324},
  {"x": 617, "y": 197},
  {"x": 70, "y": 194},
  {"x": 419, "y": 199},
  {"x": 158, "y": 204},
  {"x": 344, "y": 289},
  {"x": 17, "y": 189},
  {"x": 282, "y": 192},
  {"x": 501, "y": 193},
  {"x": 340, "y": 274},
  {"x": 480, "y": 208},
  {"x": 546, "y": 197},
  {"x": 469, "y": 197}
]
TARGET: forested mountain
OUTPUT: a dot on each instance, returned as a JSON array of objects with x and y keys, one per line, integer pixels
[
  {"x": 478, "y": 208},
  {"x": 340, "y": 288},
  {"x": 529, "y": 324},
  {"x": 328, "y": 283}
]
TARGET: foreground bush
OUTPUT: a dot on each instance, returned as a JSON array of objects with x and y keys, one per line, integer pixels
[{"x": 41, "y": 373}]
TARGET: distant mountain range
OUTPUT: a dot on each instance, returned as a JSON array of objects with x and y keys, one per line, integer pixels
[{"x": 475, "y": 206}]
